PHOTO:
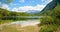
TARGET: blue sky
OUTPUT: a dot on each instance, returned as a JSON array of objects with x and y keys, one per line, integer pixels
[{"x": 25, "y": 5}]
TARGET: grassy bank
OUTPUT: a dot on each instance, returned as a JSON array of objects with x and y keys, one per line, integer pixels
[{"x": 6, "y": 21}]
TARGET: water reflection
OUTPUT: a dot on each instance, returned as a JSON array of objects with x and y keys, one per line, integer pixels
[{"x": 25, "y": 23}]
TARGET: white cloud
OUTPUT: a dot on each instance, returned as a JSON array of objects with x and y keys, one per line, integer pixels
[
  {"x": 27, "y": 8},
  {"x": 4, "y": 6},
  {"x": 21, "y": 1},
  {"x": 46, "y": 1},
  {"x": 14, "y": 9}
]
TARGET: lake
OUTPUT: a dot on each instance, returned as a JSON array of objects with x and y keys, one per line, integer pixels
[{"x": 23, "y": 23}]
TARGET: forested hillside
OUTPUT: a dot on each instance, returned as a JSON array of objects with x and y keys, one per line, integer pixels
[
  {"x": 5, "y": 14},
  {"x": 51, "y": 23}
]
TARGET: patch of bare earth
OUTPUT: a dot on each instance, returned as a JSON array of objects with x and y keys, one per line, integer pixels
[{"x": 18, "y": 28}]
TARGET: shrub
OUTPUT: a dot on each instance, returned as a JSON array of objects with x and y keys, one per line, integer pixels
[{"x": 47, "y": 20}]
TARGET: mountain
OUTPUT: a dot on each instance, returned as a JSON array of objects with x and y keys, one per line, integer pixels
[
  {"x": 33, "y": 11},
  {"x": 50, "y": 6}
]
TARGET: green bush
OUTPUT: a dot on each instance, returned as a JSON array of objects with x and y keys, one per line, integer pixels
[
  {"x": 47, "y": 20},
  {"x": 48, "y": 28}
]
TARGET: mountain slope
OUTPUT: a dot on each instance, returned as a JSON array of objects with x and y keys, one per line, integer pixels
[{"x": 50, "y": 6}]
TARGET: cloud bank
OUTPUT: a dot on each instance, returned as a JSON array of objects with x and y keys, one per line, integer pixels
[
  {"x": 27, "y": 8},
  {"x": 4, "y": 6},
  {"x": 46, "y": 1}
]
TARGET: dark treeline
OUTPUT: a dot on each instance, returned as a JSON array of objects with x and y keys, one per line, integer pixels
[{"x": 10, "y": 15}]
